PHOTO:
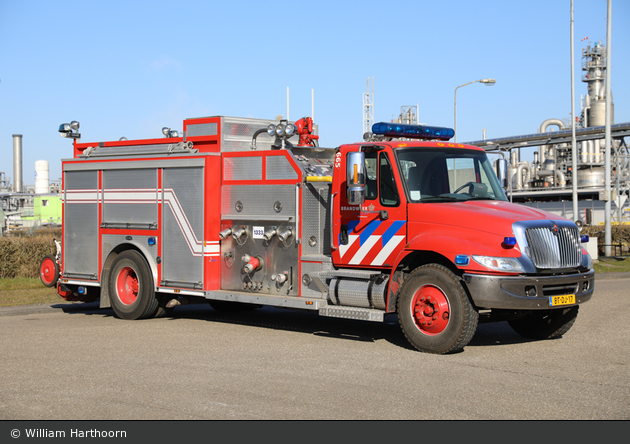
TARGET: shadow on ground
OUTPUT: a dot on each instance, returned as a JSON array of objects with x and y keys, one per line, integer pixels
[{"x": 309, "y": 322}]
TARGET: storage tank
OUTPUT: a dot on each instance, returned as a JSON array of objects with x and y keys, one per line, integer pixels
[{"x": 41, "y": 177}]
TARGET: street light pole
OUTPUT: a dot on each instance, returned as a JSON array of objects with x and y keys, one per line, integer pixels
[{"x": 488, "y": 82}]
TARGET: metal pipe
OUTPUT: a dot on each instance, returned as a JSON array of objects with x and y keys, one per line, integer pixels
[
  {"x": 561, "y": 180},
  {"x": 543, "y": 129},
  {"x": 607, "y": 224},
  {"x": 573, "y": 140},
  {"x": 519, "y": 174}
]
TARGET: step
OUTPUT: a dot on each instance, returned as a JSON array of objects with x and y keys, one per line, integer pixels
[{"x": 362, "y": 314}]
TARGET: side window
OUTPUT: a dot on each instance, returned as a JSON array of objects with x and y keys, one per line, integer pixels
[
  {"x": 387, "y": 185},
  {"x": 371, "y": 189}
]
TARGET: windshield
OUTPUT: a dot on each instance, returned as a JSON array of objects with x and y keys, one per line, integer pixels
[{"x": 443, "y": 174}]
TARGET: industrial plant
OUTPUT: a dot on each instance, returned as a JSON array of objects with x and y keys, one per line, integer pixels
[
  {"x": 553, "y": 181},
  {"x": 28, "y": 207}
]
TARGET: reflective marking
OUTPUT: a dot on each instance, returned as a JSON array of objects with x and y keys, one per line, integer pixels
[
  {"x": 364, "y": 250},
  {"x": 367, "y": 231},
  {"x": 131, "y": 196},
  {"x": 344, "y": 248},
  {"x": 392, "y": 230},
  {"x": 387, "y": 250}
]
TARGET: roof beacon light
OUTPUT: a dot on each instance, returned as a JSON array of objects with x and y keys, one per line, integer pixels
[
  {"x": 70, "y": 130},
  {"x": 412, "y": 131}
]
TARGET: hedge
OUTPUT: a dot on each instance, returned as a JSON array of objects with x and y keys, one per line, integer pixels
[
  {"x": 22, "y": 252},
  {"x": 620, "y": 236}
]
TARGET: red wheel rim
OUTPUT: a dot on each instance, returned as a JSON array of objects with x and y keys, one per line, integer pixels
[
  {"x": 430, "y": 310},
  {"x": 47, "y": 270},
  {"x": 127, "y": 286}
]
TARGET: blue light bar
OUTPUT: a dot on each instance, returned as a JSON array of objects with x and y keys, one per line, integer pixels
[
  {"x": 412, "y": 131},
  {"x": 584, "y": 238}
]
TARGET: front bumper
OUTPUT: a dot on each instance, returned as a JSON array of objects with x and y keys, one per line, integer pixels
[{"x": 511, "y": 292}]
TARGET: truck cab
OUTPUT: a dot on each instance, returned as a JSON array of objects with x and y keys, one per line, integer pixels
[{"x": 434, "y": 217}]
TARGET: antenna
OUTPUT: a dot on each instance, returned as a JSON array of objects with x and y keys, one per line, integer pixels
[{"x": 368, "y": 107}]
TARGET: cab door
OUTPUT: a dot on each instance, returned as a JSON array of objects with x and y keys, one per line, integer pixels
[{"x": 372, "y": 234}]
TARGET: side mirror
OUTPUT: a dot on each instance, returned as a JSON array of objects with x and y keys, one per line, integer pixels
[
  {"x": 355, "y": 178},
  {"x": 502, "y": 173}
]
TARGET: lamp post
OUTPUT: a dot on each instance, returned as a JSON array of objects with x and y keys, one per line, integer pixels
[{"x": 488, "y": 82}]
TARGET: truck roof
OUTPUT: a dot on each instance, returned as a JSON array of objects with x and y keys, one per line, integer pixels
[{"x": 416, "y": 144}]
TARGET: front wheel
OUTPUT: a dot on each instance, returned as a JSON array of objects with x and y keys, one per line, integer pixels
[
  {"x": 434, "y": 311},
  {"x": 547, "y": 324},
  {"x": 131, "y": 287}
]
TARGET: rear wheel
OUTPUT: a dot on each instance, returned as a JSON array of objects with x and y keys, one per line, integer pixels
[
  {"x": 547, "y": 324},
  {"x": 49, "y": 271},
  {"x": 434, "y": 311},
  {"x": 131, "y": 287}
]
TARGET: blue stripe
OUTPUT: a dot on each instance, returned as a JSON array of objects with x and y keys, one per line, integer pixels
[
  {"x": 392, "y": 230},
  {"x": 367, "y": 232},
  {"x": 352, "y": 225}
]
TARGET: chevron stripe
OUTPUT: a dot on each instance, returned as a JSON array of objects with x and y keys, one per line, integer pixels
[
  {"x": 132, "y": 196},
  {"x": 373, "y": 244}
]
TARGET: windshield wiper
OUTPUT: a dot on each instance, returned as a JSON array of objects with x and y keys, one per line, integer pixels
[{"x": 437, "y": 198}]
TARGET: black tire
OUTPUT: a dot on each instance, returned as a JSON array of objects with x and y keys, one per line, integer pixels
[
  {"x": 444, "y": 321},
  {"x": 49, "y": 271},
  {"x": 547, "y": 324},
  {"x": 131, "y": 288},
  {"x": 231, "y": 306}
]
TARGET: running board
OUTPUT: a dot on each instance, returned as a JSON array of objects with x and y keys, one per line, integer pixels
[{"x": 362, "y": 314}]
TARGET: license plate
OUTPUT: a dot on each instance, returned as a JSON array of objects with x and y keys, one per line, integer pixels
[{"x": 566, "y": 299}]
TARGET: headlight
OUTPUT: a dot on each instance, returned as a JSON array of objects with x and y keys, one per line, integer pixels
[
  {"x": 505, "y": 264},
  {"x": 587, "y": 261}
]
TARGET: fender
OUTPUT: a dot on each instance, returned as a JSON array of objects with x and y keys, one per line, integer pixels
[
  {"x": 453, "y": 242},
  {"x": 448, "y": 243}
]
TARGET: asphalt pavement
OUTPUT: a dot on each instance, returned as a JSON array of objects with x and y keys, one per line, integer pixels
[{"x": 75, "y": 361}]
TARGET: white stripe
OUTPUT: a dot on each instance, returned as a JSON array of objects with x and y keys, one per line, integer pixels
[
  {"x": 195, "y": 245},
  {"x": 81, "y": 196},
  {"x": 212, "y": 249},
  {"x": 344, "y": 248},
  {"x": 387, "y": 250},
  {"x": 363, "y": 251},
  {"x": 149, "y": 196},
  {"x": 137, "y": 196}
]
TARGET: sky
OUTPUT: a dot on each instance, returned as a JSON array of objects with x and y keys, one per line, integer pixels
[{"x": 129, "y": 68}]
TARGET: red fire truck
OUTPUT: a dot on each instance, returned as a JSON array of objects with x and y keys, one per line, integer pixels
[{"x": 233, "y": 212}]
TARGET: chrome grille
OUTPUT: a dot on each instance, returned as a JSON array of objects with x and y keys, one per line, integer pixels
[{"x": 554, "y": 249}]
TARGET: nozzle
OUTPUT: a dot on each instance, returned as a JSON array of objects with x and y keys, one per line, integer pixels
[
  {"x": 285, "y": 235},
  {"x": 225, "y": 233}
]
